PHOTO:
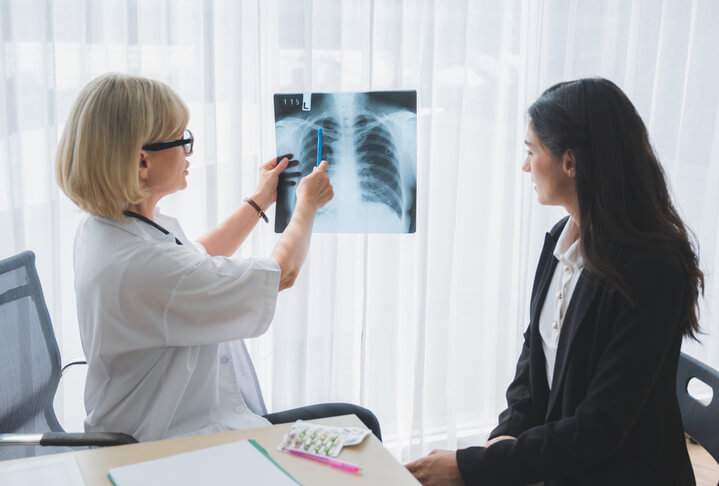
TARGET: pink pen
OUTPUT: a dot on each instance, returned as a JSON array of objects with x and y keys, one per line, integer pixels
[{"x": 336, "y": 463}]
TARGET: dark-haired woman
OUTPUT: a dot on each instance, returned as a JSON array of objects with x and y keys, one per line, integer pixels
[{"x": 593, "y": 401}]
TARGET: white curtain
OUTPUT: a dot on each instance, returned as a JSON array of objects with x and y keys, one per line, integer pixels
[{"x": 423, "y": 329}]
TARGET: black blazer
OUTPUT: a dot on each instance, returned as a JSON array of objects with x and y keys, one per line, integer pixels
[{"x": 612, "y": 416}]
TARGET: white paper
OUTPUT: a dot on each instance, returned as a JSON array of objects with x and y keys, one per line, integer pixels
[
  {"x": 57, "y": 469},
  {"x": 224, "y": 465}
]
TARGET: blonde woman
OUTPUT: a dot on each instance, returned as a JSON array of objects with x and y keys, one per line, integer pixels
[{"x": 162, "y": 318}]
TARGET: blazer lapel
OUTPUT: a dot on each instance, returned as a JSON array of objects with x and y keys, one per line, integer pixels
[
  {"x": 584, "y": 294},
  {"x": 544, "y": 275},
  {"x": 538, "y": 375}
]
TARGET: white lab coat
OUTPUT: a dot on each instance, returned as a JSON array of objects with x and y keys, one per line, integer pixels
[{"x": 160, "y": 325}]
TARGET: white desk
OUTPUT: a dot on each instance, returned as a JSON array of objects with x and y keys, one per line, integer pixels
[{"x": 379, "y": 467}]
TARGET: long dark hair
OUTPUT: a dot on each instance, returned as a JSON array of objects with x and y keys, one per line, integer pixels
[{"x": 616, "y": 169}]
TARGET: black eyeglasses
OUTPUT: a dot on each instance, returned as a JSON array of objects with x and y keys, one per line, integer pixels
[{"x": 187, "y": 141}]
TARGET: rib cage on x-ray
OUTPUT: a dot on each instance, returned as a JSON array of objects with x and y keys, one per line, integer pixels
[
  {"x": 370, "y": 142},
  {"x": 375, "y": 156}
]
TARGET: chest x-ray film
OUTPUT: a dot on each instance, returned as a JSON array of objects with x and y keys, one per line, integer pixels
[{"x": 370, "y": 142}]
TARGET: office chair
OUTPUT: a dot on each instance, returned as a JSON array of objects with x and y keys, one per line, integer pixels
[
  {"x": 30, "y": 370},
  {"x": 701, "y": 422}
]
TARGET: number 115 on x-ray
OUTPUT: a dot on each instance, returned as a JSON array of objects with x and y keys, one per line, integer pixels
[
  {"x": 370, "y": 142},
  {"x": 291, "y": 100}
]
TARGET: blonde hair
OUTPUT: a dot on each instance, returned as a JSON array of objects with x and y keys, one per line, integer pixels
[{"x": 99, "y": 151}]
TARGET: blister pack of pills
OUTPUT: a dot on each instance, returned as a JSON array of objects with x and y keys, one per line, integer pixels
[{"x": 322, "y": 439}]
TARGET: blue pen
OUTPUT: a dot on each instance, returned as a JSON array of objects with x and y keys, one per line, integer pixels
[{"x": 319, "y": 146}]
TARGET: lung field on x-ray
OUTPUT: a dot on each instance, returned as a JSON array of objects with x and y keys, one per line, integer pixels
[{"x": 370, "y": 141}]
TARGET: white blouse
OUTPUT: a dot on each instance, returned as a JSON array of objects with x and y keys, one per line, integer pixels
[
  {"x": 565, "y": 278},
  {"x": 159, "y": 324}
]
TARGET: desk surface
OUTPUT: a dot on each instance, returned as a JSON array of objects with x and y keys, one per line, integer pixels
[
  {"x": 379, "y": 467},
  {"x": 705, "y": 467}
]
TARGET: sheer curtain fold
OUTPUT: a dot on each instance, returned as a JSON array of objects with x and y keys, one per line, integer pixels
[{"x": 423, "y": 329}]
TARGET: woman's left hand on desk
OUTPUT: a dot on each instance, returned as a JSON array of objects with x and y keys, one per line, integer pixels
[{"x": 438, "y": 468}]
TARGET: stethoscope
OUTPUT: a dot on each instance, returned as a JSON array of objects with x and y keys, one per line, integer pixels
[{"x": 150, "y": 222}]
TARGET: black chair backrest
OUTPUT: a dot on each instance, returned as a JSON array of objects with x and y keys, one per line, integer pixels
[
  {"x": 700, "y": 421},
  {"x": 29, "y": 357}
]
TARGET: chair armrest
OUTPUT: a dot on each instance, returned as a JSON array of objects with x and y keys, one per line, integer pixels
[
  {"x": 20, "y": 439},
  {"x": 69, "y": 439},
  {"x": 75, "y": 439}
]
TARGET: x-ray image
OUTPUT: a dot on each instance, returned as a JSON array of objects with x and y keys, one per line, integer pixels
[{"x": 370, "y": 142}]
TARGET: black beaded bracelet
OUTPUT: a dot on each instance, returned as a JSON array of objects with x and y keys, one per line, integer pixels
[{"x": 260, "y": 212}]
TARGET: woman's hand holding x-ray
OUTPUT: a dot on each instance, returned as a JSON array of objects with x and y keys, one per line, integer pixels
[{"x": 270, "y": 171}]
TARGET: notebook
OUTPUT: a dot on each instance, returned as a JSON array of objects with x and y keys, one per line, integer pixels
[{"x": 242, "y": 462}]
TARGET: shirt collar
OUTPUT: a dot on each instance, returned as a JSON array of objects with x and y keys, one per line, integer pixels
[{"x": 569, "y": 253}]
